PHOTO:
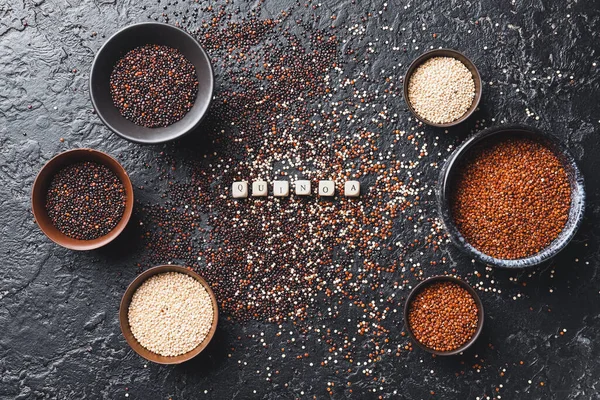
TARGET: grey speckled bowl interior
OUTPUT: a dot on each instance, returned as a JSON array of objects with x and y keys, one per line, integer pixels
[
  {"x": 577, "y": 195},
  {"x": 134, "y": 36}
]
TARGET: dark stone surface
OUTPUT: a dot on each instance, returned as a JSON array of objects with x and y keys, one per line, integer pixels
[{"x": 59, "y": 332}]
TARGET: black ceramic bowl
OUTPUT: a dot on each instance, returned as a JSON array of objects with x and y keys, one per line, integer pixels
[
  {"x": 444, "y": 53},
  {"x": 445, "y": 278},
  {"x": 134, "y": 36},
  {"x": 576, "y": 212}
]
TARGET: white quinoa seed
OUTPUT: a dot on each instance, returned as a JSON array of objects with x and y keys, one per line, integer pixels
[
  {"x": 441, "y": 90},
  {"x": 170, "y": 313}
]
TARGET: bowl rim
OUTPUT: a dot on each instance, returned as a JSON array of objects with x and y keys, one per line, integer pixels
[
  {"x": 472, "y": 292},
  {"x": 577, "y": 204},
  {"x": 124, "y": 312},
  {"x": 60, "y": 238},
  {"x": 210, "y": 79},
  {"x": 444, "y": 52}
]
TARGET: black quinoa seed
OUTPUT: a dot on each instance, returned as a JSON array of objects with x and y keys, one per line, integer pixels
[
  {"x": 154, "y": 86},
  {"x": 85, "y": 200}
]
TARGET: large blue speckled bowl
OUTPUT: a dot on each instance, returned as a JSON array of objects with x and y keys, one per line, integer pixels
[{"x": 577, "y": 195}]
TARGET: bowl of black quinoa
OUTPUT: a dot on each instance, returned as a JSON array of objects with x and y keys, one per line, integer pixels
[
  {"x": 151, "y": 83},
  {"x": 82, "y": 199}
]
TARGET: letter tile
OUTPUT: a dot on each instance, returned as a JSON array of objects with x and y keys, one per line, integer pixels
[
  {"x": 326, "y": 188},
  {"x": 259, "y": 189},
  {"x": 352, "y": 188},
  {"x": 281, "y": 188},
  {"x": 239, "y": 189},
  {"x": 302, "y": 188}
]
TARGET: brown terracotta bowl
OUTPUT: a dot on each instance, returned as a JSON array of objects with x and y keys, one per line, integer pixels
[
  {"x": 444, "y": 53},
  {"x": 124, "y": 320},
  {"x": 445, "y": 278},
  {"x": 40, "y": 188}
]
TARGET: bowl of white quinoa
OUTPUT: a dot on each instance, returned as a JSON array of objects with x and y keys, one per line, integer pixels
[
  {"x": 168, "y": 314},
  {"x": 442, "y": 88}
]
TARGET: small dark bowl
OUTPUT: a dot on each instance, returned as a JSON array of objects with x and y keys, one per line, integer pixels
[
  {"x": 444, "y": 53},
  {"x": 124, "y": 320},
  {"x": 40, "y": 189},
  {"x": 480, "y": 313},
  {"x": 576, "y": 212},
  {"x": 134, "y": 36}
]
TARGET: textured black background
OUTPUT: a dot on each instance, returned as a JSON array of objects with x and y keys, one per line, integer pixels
[{"x": 59, "y": 332}]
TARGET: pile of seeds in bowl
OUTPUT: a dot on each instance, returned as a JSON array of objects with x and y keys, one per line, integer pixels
[
  {"x": 154, "y": 86},
  {"x": 85, "y": 200},
  {"x": 170, "y": 314},
  {"x": 443, "y": 316},
  {"x": 441, "y": 90},
  {"x": 511, "y": 198}
]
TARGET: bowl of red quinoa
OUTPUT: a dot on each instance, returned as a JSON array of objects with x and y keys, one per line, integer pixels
[
  {"x": 511, "y": 196},
  {"x": 168, "y": 314},
  {"x": 442, "y": 88},
  {"x": 443, "y": 315},
  {"x": 151, "y": 83},
  {"x": 82, "y": 199}
]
